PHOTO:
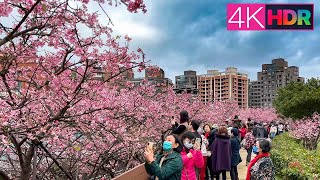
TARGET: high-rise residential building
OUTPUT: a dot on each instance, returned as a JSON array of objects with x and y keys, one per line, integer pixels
[
  {"x": 154, "y": 72},
  {"x": 255, "y": 90},
  {"x": 117, "y": 78},
  {"x": 186, "y": 82},
  {"x": 156, "y": 76},
  {"x": 222, "y": 86},
  {"x": 272, "y": 77}
]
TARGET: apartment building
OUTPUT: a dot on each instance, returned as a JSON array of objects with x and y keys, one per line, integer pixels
[
  {"x": 186, "y": 83},
  {"x": 222, "y": 86},
  {"x": 156, "y": 76},
  {"x": 272, "y": 77}
]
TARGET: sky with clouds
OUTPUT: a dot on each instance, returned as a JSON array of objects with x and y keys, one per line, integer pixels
[{"x": 179, "y": 35}]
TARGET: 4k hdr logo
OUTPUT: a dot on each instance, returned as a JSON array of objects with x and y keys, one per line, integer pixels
[{"x": 270, "y": 17}]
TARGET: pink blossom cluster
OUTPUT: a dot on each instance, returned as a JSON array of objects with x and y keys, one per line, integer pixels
[
  {"x": 264, "y": 115},
  {"x": 134, "y": 5},
  {"x": 307, "y": 129}
]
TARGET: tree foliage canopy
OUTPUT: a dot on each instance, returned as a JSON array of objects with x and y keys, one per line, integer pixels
[{"x": 299, "y": 100}]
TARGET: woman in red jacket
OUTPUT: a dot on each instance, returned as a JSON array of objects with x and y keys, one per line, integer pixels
[{"x": 243, "y": 131}]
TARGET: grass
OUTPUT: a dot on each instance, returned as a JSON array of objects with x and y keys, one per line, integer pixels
[{"x": 278, "y": 178}]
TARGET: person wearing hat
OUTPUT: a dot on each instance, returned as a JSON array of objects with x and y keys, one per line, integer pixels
[{"x": 235, "y": 157}]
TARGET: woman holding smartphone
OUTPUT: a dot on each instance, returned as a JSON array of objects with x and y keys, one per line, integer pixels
[
  {"x": 191, "y": 156},
  {"x": 168, "y": 164}
]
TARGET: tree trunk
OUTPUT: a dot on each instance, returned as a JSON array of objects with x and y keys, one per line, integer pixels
[
  {"x": 25, "y": 174},
  {"x": 26, "y": 168}
]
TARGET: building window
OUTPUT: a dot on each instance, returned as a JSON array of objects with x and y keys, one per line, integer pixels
[{"x": 19, "y": 86}]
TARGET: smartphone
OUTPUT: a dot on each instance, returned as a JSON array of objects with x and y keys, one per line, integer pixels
[
  {"x": 150, "y": 146},
  {"x": 198, "y": 140}
]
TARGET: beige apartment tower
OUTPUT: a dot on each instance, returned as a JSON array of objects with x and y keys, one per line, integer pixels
[{"x": 222, "y": 86}]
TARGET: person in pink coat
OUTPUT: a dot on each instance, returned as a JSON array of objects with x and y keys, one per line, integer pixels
[{"x": 191, "y": 157}]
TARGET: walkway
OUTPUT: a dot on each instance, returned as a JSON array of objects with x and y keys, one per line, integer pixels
[{"x": 242, "y": 168}]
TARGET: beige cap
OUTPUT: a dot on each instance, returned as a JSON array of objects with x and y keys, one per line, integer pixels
[{"x": 215, "y": 126}]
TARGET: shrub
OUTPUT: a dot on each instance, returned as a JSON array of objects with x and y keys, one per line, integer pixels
[{"x": 292, "y": 161}]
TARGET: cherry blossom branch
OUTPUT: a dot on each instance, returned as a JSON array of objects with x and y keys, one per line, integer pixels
[
  {"x": 55, "y": 161},
  {"x": 10, "y": 35},
  {"x": 106, "y": 14}
]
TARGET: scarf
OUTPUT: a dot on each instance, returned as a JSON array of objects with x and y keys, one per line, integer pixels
[
  {"x": 206, "y": 134},
  {"x": 259, "y": 156}
]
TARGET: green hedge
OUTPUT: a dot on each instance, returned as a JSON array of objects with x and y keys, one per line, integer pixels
[{"x": 292, "y": 161}]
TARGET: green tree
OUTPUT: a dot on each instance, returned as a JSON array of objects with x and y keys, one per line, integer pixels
[{"x": 298, "y": 100}]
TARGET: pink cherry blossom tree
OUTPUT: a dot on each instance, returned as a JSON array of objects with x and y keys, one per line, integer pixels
[
  {"x": 56, "y": 115},
  {"x": 264, "y": 115},
  {"x": 308, "y": 131}
]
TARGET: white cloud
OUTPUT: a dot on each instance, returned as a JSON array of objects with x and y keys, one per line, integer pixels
[
  {"x": 138, "y": 31},
  {"x": 245, "y": 35},
  {"x": 136, "y": 25},
  {"x": 310, "y": 70}
]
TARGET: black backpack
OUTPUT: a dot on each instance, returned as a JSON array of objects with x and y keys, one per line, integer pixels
[{"x": 260, "y": 133}]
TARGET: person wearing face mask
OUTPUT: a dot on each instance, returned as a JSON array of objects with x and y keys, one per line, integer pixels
[
  {"x": 168, "y": 164},
  {"x": 191, "y": 157},
  {"x": 204, "y": 147},
  {"x": 193, "y": 127},
  {"x": 261, "y": 167},
  {"x": 210, "y": 134}
]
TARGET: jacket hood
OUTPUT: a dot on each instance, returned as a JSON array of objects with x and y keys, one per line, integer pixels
[{"x": 223, "y": 138}]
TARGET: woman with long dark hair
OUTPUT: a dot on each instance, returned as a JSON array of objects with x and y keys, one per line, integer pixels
[{"x": 182, "y": 128}]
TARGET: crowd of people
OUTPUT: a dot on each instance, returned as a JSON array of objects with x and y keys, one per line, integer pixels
[{"x": 202, "y": 151}]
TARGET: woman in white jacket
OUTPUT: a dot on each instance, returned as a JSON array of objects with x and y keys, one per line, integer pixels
[
  {"x": 204, "y": 151},
  {"x": 273, "y": 131}
]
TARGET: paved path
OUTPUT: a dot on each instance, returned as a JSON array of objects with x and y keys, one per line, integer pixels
[{"x": 242, "y": 168}]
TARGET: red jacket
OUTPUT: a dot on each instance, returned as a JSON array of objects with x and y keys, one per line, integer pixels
[{"x": 243, "y": 132}]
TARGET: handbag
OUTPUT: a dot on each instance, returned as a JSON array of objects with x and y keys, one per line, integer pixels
[{"x": 243, "y": 143}]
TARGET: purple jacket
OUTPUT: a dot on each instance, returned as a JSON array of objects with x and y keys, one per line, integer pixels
[{"x": 221, "y": 153}]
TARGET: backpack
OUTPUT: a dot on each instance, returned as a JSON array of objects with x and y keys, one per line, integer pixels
[
  {"x": 260, "y": 133},
  {"x": 185, "y": 131}
]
